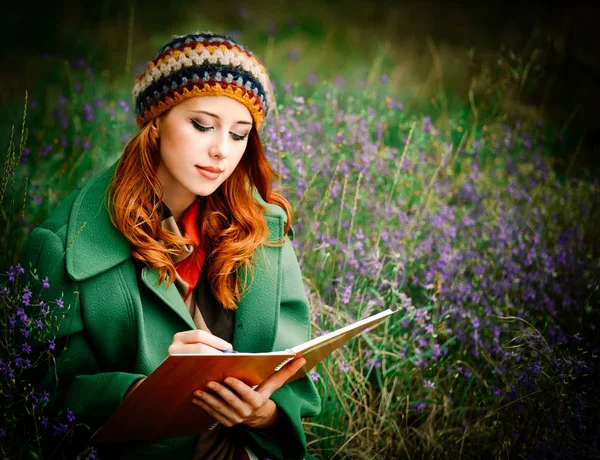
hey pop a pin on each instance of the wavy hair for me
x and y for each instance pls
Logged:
(232, 225)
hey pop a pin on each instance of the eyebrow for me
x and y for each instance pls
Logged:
(214, 115)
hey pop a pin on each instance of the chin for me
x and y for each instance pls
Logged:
(205, 191)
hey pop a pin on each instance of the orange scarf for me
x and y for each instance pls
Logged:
(190, 268)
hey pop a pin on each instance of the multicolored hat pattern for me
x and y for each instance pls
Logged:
(202, 64)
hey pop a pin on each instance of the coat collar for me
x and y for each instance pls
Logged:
(94, 244)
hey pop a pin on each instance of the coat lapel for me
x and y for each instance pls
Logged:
(170, 296)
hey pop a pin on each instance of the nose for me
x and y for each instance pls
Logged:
(219, 148)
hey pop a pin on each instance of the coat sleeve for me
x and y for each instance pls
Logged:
(76, 380)
(297, 399)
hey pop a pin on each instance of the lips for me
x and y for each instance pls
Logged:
(210, 169)
(210, 172)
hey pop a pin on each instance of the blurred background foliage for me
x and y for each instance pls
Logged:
(425, 45)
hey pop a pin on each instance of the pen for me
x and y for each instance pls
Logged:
(229, 351)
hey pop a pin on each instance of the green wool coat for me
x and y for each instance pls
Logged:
(120, 324)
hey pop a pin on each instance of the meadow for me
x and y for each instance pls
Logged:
(444, 205)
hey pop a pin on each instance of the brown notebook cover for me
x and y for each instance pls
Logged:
(161, 406)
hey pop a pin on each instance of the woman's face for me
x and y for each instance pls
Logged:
(202, 140)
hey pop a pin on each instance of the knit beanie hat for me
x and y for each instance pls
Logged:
(202, 64)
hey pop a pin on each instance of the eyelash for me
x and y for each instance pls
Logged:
(203, 129)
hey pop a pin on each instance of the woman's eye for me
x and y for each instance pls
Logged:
(199, 127)
(202, 128)
(237, 137)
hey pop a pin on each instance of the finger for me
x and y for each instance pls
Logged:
(275, 381)
(217, 405)
(191, 348)
(246, 393)
(200, 336)
(242, 407)
(209, 410)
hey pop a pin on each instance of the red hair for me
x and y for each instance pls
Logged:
(232, 226)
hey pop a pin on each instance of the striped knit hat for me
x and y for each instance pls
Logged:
(202, 64)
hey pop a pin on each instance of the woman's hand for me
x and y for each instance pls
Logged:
(197, 341)
(193, 341)
(250, 407)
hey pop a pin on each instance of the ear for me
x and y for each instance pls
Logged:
(156, 126)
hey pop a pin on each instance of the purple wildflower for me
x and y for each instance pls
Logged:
(395, 105)
(88, 111)
(124, 105)
(14, 271)
(347, 294)
(59, 429)
(24, 154)
(435, 352)
(339, 81)
(427, 124)
(34, 398)
(45, 151)
(420, 405)
(344, 366)
(312, 79)
(372, 362)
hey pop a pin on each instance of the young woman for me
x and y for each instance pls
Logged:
(182, 246)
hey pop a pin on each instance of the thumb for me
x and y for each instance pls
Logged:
(275, 381)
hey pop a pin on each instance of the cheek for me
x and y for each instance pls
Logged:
(179, 156)
(168, 144)
(177, 140)
(234, 162)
